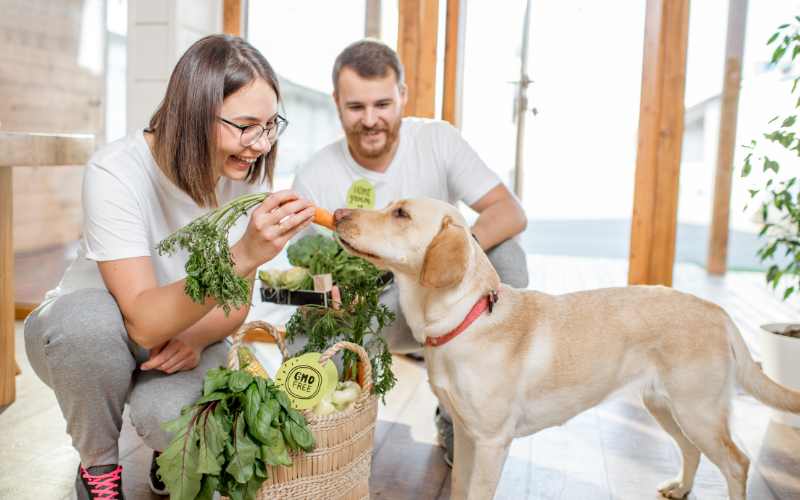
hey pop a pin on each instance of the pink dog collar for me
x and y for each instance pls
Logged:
(484, 303)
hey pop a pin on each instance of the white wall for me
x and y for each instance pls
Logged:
(159, 32)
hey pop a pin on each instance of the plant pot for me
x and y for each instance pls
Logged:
(780, 355)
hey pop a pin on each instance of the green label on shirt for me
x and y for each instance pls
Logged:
(361, 195)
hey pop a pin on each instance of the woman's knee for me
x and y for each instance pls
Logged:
(86, 326)
(157, 397)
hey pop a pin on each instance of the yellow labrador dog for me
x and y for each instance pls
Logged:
(508, 363)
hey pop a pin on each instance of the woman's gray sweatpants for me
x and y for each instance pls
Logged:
(77, 344)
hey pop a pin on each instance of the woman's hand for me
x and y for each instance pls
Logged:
(272, 224)
(176, 355)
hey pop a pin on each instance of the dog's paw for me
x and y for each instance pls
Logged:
(674, 489)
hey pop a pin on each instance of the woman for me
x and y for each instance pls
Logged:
(119, 327)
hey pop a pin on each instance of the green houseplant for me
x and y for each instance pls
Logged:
(777, 154)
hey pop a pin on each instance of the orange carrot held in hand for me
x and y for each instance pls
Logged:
(324, 218)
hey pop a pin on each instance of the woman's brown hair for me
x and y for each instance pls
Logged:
(184, 125)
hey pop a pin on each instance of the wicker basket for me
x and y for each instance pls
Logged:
(339, 466)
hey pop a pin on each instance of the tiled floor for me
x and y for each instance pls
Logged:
(614, 451)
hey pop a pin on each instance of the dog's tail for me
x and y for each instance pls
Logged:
(756, 382)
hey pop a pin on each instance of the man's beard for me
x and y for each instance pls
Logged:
(354, 139)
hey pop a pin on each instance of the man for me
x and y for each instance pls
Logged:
(384, 157)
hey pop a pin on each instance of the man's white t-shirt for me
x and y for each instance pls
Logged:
(432, 160)
(129, 206)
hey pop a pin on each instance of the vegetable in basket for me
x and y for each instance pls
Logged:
(359, 319)
(226, 440)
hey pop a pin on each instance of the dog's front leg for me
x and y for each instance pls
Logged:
(477, 466)
(463, 461)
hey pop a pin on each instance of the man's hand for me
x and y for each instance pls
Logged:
(178, 354)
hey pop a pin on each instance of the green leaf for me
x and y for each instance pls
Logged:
(789, 291)
(302, 436)
(252, 402)
(179, 424)
(215, 379)
(773, 38)
(178, 466)
(283, 400)
(275, 453)
(239, 380)
(252, 488)
(747, 165)
(214, 396)
(243, 460)
(789, 121)
(779, 51)
(212, 442)
(771, 165)
(209, 486)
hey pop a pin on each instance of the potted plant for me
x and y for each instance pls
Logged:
(778, 195)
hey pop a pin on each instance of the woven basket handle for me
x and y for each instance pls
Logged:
(364, 366)
(233, 353)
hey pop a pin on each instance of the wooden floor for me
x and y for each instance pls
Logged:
(614, 451)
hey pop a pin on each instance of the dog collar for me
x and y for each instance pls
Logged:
(486, 302)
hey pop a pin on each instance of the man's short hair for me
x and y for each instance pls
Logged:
(369, 58)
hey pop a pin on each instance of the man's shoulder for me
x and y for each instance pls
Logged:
(428, 129)
(420, 124)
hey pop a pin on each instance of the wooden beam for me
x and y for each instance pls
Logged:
(720, 215)
(372, 19)
(416, 45)
(8, 390)
(232, 17)
(454, 62)
(23, 309)
(44, 150)
(655, 204)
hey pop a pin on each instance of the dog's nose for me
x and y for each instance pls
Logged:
(341, 214)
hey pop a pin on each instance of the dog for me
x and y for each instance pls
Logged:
(507, 363)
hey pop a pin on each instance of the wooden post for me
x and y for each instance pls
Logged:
(720, 215)
(454, 62)
(232, 17)
(8, 364)
(416, 46)
(372, 19)
(655, 204)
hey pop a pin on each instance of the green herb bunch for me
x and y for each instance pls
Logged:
(361, 317)
(226, 439)
(210, 269)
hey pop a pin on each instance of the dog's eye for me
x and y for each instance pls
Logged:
(400, 213)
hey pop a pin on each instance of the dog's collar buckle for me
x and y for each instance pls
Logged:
(492, 300)
(486, 302)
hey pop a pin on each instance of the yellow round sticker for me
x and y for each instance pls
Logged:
(306, 381)
(361, 195)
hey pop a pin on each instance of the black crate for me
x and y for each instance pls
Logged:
(294, 297)
(305, 297)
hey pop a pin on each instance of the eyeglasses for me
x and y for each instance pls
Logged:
(251, 134)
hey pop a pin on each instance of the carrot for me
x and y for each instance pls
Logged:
(324, 218)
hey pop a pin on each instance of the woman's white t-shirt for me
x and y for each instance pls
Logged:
(129, 206)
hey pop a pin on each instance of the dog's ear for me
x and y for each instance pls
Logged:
(446, 258)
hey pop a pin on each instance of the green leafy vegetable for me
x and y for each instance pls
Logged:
(210, 269)
(225, 441)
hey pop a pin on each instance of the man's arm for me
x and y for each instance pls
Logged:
(501, 217)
